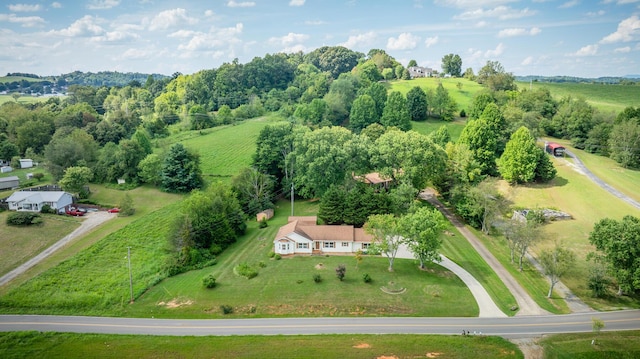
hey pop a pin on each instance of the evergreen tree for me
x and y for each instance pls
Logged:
(396, 112)
(331, 210)
(417, 102)
(181, 170)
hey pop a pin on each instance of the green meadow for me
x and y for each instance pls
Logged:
(460, 89)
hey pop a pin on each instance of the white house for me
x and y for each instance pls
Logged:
(303, 236)
(32, 201)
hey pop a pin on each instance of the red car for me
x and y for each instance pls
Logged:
(114, 210)
(75, 212)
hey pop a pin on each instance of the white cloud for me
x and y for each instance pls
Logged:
(596, 13)
(133, 54)
(294, 49)
(233, 3)
(588, 50)
(24, 21)
(56, 5)
(289, 39)
(404, 41)
(430, 41)
(628, 30)
(171, 18)
(213, 39)
(465, 4)
(24, 7)
(115, 36)
(314, 22)
(208, 13)
(622, 50)
(102, 4)
(519, 31)
(500, 12)
(296, 2)
(182, 34)
(569, 4)
(85, 26)
(495, 52)
(527, 61)
(360, 40)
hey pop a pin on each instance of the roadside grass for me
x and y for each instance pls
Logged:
(426, 127)
(576, 194)
(68, 345)
(463, 96)
(286, 288)
(19, 244)
(607, 98)
(459, 250)
(623, 344)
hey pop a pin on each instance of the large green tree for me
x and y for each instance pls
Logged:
(363, 113)
(624, 143)
(619, 243)
(75, 178)
(442, 104)
(452, 65)
(254, 189)
(519, 161)
(386, 235)
(556, 262)
(421, 230)
(494, 76)
(396, 112)
(417, 102)
(181, 170)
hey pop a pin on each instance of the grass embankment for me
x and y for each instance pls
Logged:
(576, 194)
(607, 345)
(286, 287)
(462, 94)
(65, 345)
(606, 98)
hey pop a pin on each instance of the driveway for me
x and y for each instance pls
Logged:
(90, 221)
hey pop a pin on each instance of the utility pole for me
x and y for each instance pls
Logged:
(291, 198)
(130, 277)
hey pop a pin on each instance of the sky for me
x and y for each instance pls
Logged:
(584, 38)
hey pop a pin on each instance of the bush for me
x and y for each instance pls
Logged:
(536, 216)
(246, 270)
(366, 278)
(272, 254)
(277, 257)
(462, 113)
(47, 209)
(38, 176)
(263, 223)
(262, 264)
(317, 278)
(209, 281)
(23, 219)
(341, 270)
(226, 309)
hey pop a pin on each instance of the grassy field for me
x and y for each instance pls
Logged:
(23, 99)
(463, 96)
(607, 345)
(66, 345)
(606, 98)
(574, 193)
(286, 287)
(426, 127)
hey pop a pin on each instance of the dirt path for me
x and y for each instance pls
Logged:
(526, 304)
(91, 220)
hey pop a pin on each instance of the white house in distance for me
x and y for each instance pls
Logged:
(32, 201)
(302, 235)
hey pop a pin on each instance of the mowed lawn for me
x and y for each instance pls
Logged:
(460, 90)
(454, 127)
(607, 98)
(574, 193)
(68, 346)
(286, 287)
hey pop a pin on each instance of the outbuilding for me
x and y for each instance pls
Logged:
(26, 163)
(9, 182)
(555, 149)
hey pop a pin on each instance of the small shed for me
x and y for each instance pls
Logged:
(555, 149)
(267, 214)
(26, 163)
(9, 182)
(5, 169)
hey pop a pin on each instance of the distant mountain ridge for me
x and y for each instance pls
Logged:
(602, 80)
(102, 78)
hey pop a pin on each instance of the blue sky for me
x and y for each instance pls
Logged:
(587, 38)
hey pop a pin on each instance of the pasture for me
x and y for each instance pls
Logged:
(460, 90)
(67, 345)
(607, 98)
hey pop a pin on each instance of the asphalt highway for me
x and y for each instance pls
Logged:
(515, 327)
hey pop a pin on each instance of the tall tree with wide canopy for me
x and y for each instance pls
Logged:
(494, 76)
(452, 65)
(417, 102)
(519, 161)
(181, 170)
(619, 242)
(421, 231)
(408, 157)
(378, 93)
(396, 112)
(325, 157)
(386, 235)
(254, 190)
(334, 59)
(273, 146)
(363, 113)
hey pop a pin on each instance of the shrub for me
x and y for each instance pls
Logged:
(246, 270)
(209, 281)
(23, 219)
(277, 257)
(272, 254)
(317, 278)
(263, 223)
(226, 309)
(38, 176)
(366, 278)
(536, 216)
(341, 270)
(462, 113)
(47, 209)
(262, 264)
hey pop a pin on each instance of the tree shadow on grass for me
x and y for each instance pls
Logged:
(556, 182)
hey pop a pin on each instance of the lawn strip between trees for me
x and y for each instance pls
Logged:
(66, 345)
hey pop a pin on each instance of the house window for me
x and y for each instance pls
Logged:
(366, 245)
(285, 247)
(328, 244)
(303, 245)
(345, 244)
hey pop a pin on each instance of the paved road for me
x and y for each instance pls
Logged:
(91, 221)
(600, 182)
(488, 308)
(526, 304)
(514, 327)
